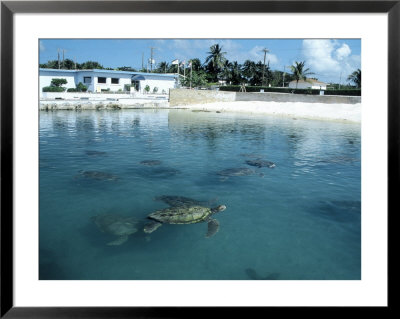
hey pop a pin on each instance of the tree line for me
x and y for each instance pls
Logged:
(216, 68)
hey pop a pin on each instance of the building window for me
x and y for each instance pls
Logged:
(87, 79)
(114, 81)
(101, 80)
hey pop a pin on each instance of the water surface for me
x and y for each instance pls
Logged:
(300, 220)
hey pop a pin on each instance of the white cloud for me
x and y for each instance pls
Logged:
(41, 46)
(343, 52)
(329, 60)
(254, 54)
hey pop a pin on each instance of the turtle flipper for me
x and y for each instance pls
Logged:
(213, 226)
(120, 240)
(151, 226)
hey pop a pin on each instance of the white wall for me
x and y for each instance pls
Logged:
(123, 79)
(45, 79)
(160, 84)
(318, 87)
(307, 85)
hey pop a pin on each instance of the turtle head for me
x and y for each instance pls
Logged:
(219, 208)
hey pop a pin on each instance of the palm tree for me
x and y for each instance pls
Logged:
(355, 77)
(215, 61)
(162, 67)
(299, 72)
(196, 64)
(235, 70)
(249, 69)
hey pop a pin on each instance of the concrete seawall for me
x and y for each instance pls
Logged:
(186, 97)
(100, 105)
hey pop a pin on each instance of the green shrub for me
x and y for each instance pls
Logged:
(53, 89)
(147, 88)
(80, 87)
(155, 90)
(348, 92)
(72, 90)
(236, 88)
(58, 82)
(105, 90)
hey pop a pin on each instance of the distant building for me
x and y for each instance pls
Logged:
(308, 84)
(109, 80)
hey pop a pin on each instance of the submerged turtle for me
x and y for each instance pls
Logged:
(255, 276)
(95, 153)
(175, 201)
(150, 162)
(260, 163)
(98, 175)
(162, 172)
(116, 225)
(185, 215)
(240, 171)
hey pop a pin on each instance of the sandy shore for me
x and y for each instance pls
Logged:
(318, 111)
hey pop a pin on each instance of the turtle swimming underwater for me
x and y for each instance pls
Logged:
(95, 153)
(101, 176)
(116, 225)
(150, 162)
(185, 215)
(255, 276)
(260, 163)
(175, 201)
(240, 171)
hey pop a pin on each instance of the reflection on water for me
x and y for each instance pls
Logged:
(297, 219)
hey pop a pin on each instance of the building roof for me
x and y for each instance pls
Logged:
(150, 76)
(169, 75)
(310, 81)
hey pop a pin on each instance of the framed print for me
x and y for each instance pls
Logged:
(161, 158)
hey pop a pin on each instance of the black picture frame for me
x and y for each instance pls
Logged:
(9, 8)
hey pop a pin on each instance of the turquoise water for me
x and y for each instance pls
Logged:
(300, 220)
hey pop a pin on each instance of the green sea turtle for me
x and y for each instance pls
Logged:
(185, 215)
(116, 225)
(240, 171)
(175, 201)
(95, 153)
(97, 175)
(260, 163)
(255, 276)
(150, 162)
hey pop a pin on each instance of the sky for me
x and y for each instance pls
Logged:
(331, 60)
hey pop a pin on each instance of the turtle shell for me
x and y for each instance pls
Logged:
(181, 215)
(116, 224)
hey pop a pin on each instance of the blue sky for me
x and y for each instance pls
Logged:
(331, 60)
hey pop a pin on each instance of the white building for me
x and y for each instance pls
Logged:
(157, 83)
(109, 80)
(308, 84)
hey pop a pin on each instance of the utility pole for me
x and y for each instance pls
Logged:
(142, 61)
(340, 79)
(151, 58)
(58, 53)
(191, 69)
(284, 71)
(75, 62)
(63, 58)
(265, 50)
